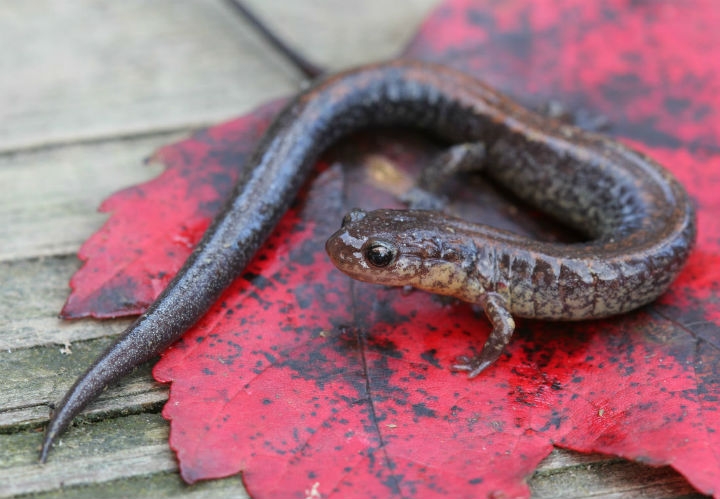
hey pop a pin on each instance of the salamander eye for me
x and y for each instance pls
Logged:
(379, 253)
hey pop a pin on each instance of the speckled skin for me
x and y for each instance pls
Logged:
(639, 215)
(638, 218)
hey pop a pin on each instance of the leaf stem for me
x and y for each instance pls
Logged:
(307, 68)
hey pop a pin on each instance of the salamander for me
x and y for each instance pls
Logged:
(639, 216)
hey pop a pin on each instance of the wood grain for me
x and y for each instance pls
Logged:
(88, 90)
(84, 70)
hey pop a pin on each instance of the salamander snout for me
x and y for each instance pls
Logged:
(345, 247)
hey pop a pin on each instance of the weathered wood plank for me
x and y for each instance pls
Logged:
(33, 292)
(142, 460)
(50, 196)
(562, 459)
(91, 69)
(611, 479)
(35, 377)
(27, 396)
(41, 355)
(91, 455)
(158, 485)
(134, 442)
(142, 396)
(32, 332)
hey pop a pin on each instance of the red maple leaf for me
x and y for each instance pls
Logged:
(311, 383)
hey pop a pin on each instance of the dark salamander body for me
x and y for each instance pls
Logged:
(638, 215)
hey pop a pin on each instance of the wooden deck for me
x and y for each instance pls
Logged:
(88, 88)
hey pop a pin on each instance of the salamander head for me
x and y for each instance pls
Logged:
(403, 247)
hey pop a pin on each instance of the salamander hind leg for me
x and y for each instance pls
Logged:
(497, 311)
(459, 158)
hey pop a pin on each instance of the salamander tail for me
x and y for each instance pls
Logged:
(119, 359)
(85, 389)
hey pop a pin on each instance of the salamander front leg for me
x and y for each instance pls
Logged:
(459, 158)
(497, 311)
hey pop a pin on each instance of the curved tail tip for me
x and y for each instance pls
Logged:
(46, 445)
